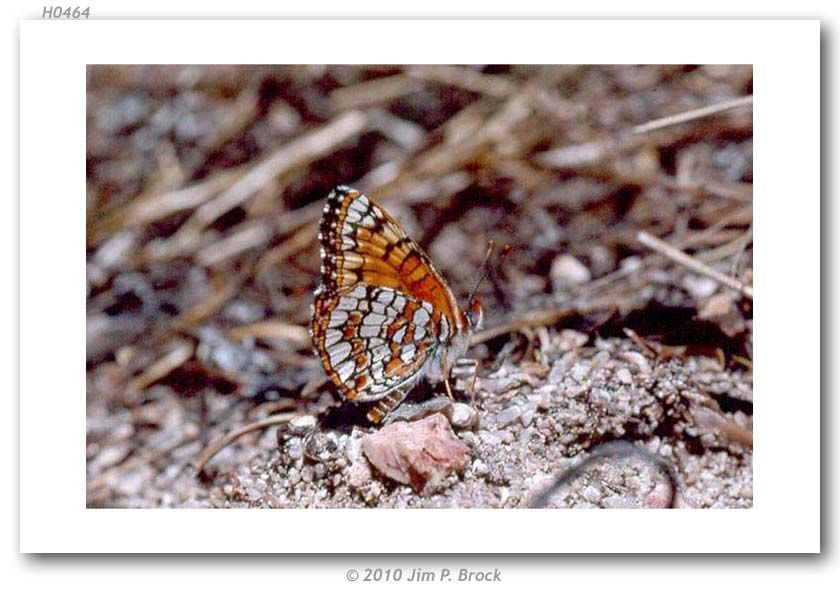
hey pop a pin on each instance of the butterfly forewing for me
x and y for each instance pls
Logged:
(360, 242)
(382, 308)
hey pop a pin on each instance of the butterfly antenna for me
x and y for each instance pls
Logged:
(491, 245)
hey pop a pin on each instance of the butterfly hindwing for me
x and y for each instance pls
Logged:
(373, 340)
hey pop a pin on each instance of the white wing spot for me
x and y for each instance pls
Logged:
(407, 353)
(345, 371)
(374, 319)
(444, 329)
(421, 317)
(378, 353)
(338, 317)
(333, 335)
(339, 352)
(348, 303)
(378, 307)
(385, 297)
(378, 371)
(369, 331)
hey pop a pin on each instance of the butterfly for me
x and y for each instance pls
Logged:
(383, 315)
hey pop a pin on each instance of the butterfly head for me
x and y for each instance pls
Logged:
(475, 314)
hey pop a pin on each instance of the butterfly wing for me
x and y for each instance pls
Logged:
(372, 340)
(362, 243)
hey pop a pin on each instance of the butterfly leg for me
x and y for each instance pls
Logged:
(385, 406)
(448, 388)
(474, 379)
(447, 372)
(467, 368)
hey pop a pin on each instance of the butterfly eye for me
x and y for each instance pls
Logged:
(475, 313)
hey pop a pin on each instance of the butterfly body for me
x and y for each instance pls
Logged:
(383, 316)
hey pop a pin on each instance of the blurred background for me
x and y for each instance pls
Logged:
(205, 184)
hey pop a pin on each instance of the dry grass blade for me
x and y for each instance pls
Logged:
(376, 91)
(223, 290)
(303, 238)
(534, 319)
(293, 155)
(691, 115)
(153, 207)
(609, 146)
(468, 79)
(681, 258)
(163, 205)
(708, 414)
(272, 329)
(161, 368)
(215, 447)
(251, 236)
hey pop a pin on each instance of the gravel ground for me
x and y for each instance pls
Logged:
(534, 420)
(204, 189)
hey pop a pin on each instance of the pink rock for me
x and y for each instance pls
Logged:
(420, 454)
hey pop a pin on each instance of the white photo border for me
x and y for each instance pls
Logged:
(786, 60)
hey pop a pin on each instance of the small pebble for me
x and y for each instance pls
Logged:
(746, 491)
(601, 396)
(489, 439)
(580, 372)
(508, 416)
(570, 339)
(699, 286)
(568, 272)
(294, 448)
(638, 360)
(293, 476)
(504, 436)
(620, 502)
(624, 376)
(464, 416)
(592, 494)
(480, 468)
(302, 425)
(358, 474)
(527, 416)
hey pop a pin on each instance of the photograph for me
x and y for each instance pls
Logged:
(418, 286)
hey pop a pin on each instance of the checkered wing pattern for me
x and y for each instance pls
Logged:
(382, 308)
(374, 340)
